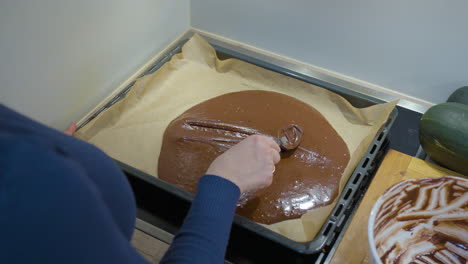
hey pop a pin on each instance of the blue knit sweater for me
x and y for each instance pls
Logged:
(63, 200)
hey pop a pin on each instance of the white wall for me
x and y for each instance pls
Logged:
(59, 58)
(417, 47)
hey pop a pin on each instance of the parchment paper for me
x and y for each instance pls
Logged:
(132, 130)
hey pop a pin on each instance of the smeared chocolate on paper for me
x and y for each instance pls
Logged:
(307, 177)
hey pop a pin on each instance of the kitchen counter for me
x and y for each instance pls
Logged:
(404, 134)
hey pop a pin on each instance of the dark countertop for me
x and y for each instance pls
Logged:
(404, 135)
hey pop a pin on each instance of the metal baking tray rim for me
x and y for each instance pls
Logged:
(333, 225)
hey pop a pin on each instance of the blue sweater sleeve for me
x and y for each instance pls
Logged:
(204, 235)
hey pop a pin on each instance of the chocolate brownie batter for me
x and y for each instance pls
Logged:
(308, 174)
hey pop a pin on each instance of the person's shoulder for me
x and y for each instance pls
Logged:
(19, 126)
(26, 155)
(16, 145)
(34, 172)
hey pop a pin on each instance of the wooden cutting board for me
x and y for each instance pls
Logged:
(396, 167)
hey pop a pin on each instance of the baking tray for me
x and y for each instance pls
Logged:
(146, 186)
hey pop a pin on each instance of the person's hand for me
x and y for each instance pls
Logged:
(249, 164)
(71, 129)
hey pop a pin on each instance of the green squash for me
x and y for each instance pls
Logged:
(459, 96)
(443, 133)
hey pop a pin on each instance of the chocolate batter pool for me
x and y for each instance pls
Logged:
(307, 177)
